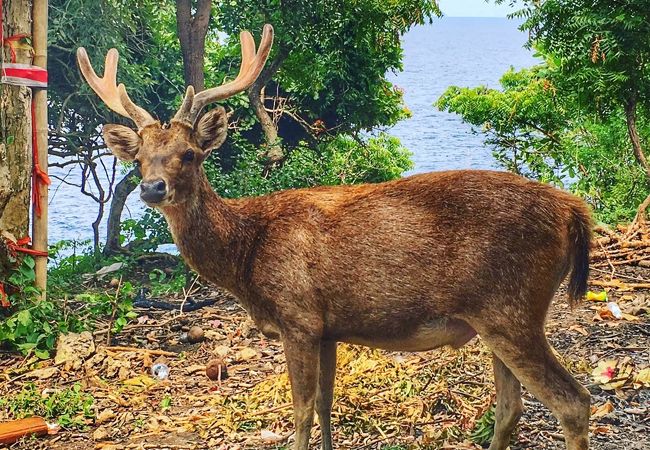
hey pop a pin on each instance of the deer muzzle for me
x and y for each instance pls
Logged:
(153, 192)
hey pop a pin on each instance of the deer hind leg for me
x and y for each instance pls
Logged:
(528, 355)
(509, 404)
(303, 354)
(325, 394)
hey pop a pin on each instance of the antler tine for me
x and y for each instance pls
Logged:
(251, 66)
(115, 97)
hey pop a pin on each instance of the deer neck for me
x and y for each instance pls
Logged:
(205, 229)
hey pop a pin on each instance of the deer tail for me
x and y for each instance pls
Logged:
(580, 228)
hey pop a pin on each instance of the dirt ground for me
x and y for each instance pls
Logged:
(383, 400)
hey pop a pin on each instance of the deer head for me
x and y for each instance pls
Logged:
(170, 155)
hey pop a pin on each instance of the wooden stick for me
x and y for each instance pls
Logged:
(39, 225)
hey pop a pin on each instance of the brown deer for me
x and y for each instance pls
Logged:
(411, 265)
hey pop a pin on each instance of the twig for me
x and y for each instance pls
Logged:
(620, 275)
(274, 409)
(611, 275)
(186, 294)
(119, 348)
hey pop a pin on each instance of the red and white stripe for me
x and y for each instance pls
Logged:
(23, 75)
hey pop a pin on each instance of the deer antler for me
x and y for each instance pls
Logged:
(114, 96)
(252, 64)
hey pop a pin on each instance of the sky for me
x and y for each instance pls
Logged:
(474, 8)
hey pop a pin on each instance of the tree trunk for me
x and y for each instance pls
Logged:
(192, 30)
(256, 97)
(121, 193)
(15, 131)
(630, 117)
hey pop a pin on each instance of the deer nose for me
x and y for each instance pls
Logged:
(153, 191)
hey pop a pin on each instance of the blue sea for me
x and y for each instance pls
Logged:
(451, 51)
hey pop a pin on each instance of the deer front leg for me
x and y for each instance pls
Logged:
(325, 393)
(303, 353)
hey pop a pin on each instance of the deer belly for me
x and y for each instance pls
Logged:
(426, 336)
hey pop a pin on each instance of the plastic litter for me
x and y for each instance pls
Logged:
(615, 310)
(160, 371)
(597, 296)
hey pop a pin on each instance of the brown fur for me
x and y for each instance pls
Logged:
(411, 264)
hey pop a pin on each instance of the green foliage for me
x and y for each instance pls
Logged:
(335, 54)
(344, 160)
(118, 307)
(600, 47)
(484, 428)
(31, 324)
(69, 407)
(541, 131)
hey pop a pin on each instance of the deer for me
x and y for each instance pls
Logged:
(412, 264)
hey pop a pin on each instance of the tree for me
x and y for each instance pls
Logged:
(15, 134)
(192, 30)
(602, 52)
(540, 130)
(329, 61)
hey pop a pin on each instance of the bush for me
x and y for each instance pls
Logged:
(342, 160)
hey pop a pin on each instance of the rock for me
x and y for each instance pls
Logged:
(73, 348)
(195, 334)
(216, 369)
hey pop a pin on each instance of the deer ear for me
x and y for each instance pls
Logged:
(122, 141)
(211, 131)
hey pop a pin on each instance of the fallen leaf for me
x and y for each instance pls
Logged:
(141, 381)
(195, 368)
(579, 329)
(105, 415)
(246, 353)
(601, 429)
(43, 374)
(642, 379)
(270, 437)
(602, 410)
(100, 433)
(604, 371)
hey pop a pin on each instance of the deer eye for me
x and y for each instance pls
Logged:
(188, 156)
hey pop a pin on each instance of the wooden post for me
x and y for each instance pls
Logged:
(39, 225)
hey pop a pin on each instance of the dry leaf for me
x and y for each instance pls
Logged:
(100, 434)
(105, 415)
(602, 410)
(270, 437)
(141, 382)
(43, 374)
(579, 329)
(246, 353)
(642, 379)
